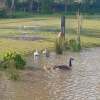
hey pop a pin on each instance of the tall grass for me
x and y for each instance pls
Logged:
(58, 46)
(12, 62)
(74, 45)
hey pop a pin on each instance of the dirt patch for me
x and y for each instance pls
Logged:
(24, 37)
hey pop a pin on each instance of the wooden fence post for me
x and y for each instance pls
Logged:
(63, 26)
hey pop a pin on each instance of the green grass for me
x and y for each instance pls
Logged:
(46, 26)
(48, 23)
(23, 47)
(87, 41)
(27, 47)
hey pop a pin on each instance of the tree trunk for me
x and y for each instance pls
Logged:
(38, 6)
(12, 8)
(66, 6)
(13, 5)
(31, 5)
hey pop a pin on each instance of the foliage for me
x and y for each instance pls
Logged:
(20, 14)
(58, 46)
(3, 13)
(17, 58)
(19, 61)
(13, 73)
(65, 44)
(74, 45)
(62, 44)
(48, 6)
(11, 62)
(9, 56)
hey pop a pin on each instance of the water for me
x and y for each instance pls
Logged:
(80, 83)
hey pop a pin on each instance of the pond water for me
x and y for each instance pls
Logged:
(80, 83)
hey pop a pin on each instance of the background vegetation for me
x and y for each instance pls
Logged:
(20, 8)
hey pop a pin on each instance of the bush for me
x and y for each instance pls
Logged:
(65, 45)
(20, 14)
(74, 45)
(11, 71)
(3, 13)
(19, 61)
(8, 57)
(17, 58)
(11, 62)
(58, 47)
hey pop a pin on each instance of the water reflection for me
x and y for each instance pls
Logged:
(77, 84)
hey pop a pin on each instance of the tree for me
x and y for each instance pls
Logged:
(3, 12)
(46, 6)
(31, 5)
(12, 5)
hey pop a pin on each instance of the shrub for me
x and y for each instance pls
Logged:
(17, 58)
(13, 73)
(3, 13)
(58, 47)
(11, 62)
(74, 45)
(19, 61)
(65, 45)
(8, 57)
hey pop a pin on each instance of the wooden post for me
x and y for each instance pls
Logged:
(63, 26)
(78, 30)
(79, 26)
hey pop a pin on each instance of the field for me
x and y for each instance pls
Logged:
(45, 26)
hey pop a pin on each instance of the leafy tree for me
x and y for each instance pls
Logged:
(46, 6)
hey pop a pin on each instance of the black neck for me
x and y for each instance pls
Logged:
(70, 63)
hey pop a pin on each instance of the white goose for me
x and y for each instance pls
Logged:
(36, 54)
(46, 52)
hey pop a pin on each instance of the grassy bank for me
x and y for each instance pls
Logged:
(46, 26)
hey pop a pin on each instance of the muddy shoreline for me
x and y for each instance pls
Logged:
(24, 37)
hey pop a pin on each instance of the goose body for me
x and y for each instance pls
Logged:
(46, 53)
(64, 67)
(36, 54)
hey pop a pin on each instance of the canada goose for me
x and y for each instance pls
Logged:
(68, 67)
(46, 52)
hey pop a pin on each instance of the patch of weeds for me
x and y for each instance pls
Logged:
(58, 46)
(12, 62)
(19, 61)
(74, 45)
(17, 58)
